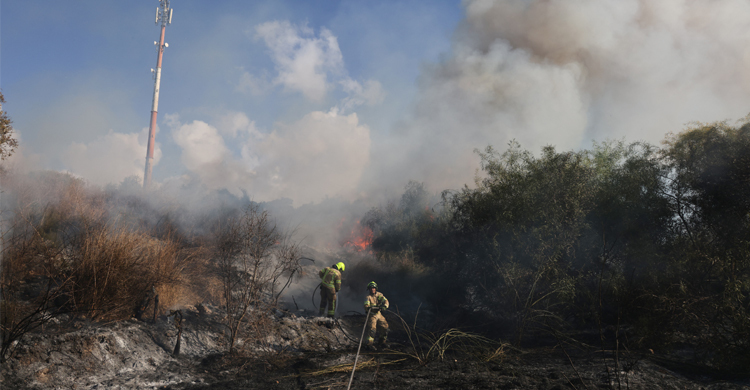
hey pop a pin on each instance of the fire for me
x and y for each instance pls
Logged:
(360, 238)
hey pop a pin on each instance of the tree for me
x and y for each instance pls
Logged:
(8, 142)
(709, 188)
(252, 259)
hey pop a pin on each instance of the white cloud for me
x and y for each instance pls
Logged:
(303, 60)
(253, 84)
(201, 145)
(110, 158)
(310, 64)
(205, 153)
(371, 93)
(322, 154)
(237, 124)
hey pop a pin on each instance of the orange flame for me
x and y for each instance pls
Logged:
(360, 238)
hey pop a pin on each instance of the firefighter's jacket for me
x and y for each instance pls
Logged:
(331, 278)
(376, 301)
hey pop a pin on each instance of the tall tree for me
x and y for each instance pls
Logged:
(710, 189)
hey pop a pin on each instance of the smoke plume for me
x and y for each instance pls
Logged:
(565, 73)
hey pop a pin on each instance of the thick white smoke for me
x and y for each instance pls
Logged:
(564, 73)
(110, 158)
(321, 155)
(542, 72)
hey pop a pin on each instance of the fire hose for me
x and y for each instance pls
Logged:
(312, 298)
(335, 321)
(358, 348)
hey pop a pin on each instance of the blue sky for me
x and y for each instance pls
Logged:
(74, 71)
(313, 99)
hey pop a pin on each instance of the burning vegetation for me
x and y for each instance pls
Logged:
(620, 248)
(359, 238)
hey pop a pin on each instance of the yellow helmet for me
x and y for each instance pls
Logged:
(340, 266)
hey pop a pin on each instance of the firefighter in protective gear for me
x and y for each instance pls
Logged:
(330, 284)
(377, 303)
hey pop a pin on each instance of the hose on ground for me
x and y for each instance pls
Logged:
(354, 367)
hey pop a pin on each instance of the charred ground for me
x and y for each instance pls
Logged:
(304, 352)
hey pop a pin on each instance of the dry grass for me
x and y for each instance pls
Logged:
(30, 278)
(95, 254)
(340, 368)
(427, 346)
(55, 228)
(403, 262)
(113, 268)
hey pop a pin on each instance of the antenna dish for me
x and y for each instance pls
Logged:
(166, 44)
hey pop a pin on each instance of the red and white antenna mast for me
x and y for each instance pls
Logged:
(163, 14)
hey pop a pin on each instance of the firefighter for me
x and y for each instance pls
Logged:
(377, 303)
(330, 284)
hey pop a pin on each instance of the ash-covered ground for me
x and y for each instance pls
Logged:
(302, 351)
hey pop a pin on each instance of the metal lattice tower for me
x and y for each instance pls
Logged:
(163, 14)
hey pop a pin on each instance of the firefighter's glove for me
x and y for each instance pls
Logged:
(382, 308)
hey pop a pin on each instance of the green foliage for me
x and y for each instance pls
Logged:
(655, 241)
(399, 227)
(522, 225)
(8, 142)
(709, 274)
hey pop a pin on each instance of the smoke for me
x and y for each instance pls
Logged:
(542, 72)
(110, 158)
(321, 155)
(565, 73)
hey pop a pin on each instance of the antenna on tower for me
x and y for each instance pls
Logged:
(163, 13)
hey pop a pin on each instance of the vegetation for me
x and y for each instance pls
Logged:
(252, 257)
(73, 251)
(648, 247)
(8, 142)
(628, 245)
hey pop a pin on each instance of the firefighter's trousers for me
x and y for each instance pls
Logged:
(376, 325)
(327, 298)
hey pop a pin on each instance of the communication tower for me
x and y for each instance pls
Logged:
(163, 14)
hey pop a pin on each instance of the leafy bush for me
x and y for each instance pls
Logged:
(652, 242)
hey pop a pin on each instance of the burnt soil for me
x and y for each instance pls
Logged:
(530, 369)
(537, 369)
(306, 352)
